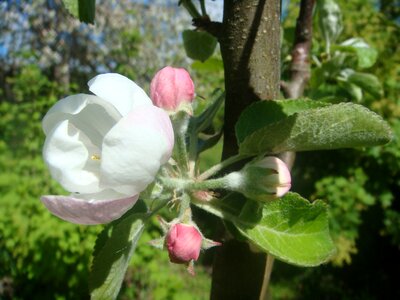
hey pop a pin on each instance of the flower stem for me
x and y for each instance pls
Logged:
(181, 122)
(191, 185)
(185, 212)
(192, 153)
(192, 10)
(203, 7)
(218, 167)
(182, 158)
(267, 276)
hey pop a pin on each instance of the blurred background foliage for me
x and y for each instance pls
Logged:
(45, 55)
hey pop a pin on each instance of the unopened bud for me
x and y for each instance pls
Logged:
(183, 243)
(262, 180)
(172, 89)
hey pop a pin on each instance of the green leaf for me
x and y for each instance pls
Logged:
(227, 208)
(72, 7)
(327, 71)
(205, 119)
(344, 125)
(290, 228)
(368, 82)
(263, 113)
(82, 9)
(353, 90)
(208, 141)
(213, 65)
(366, 55)
(113, 251)
(199, 45)
(293, 230)
(87, 11)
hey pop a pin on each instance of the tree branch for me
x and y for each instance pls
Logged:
(204, 23)
(300, 66)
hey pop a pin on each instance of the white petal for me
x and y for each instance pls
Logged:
(87, 212)
(74, 105)
(120, 91)
(135, 148)
(75, 127)
(66, 153)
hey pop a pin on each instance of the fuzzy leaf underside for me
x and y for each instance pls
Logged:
(343, 125)
(264, 113)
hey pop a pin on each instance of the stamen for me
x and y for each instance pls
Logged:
(95, 157)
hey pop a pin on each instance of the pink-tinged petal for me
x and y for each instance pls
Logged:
(135, 148)
(171, 87)
(282, 179)
(155, 118)
(262, 179)
(283, 189)
(185, 84)
(118, 90)
(87, 212)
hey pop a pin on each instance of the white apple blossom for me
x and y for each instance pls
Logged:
(104, 149)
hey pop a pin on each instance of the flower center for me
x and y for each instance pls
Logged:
(95, 157)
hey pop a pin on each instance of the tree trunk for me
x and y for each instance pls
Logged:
(250, 48)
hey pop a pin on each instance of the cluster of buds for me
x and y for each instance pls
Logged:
(173, 90)
(98, 170)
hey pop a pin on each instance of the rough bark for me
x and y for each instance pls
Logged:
(250, 46)
(250, 50)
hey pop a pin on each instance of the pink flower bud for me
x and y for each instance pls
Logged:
(171, 88)
(183, 243)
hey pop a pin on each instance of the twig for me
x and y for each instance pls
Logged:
(190, 7)
(267, 276)
(203, 8)
(218, 167)
(204, 23)
(300, 66)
